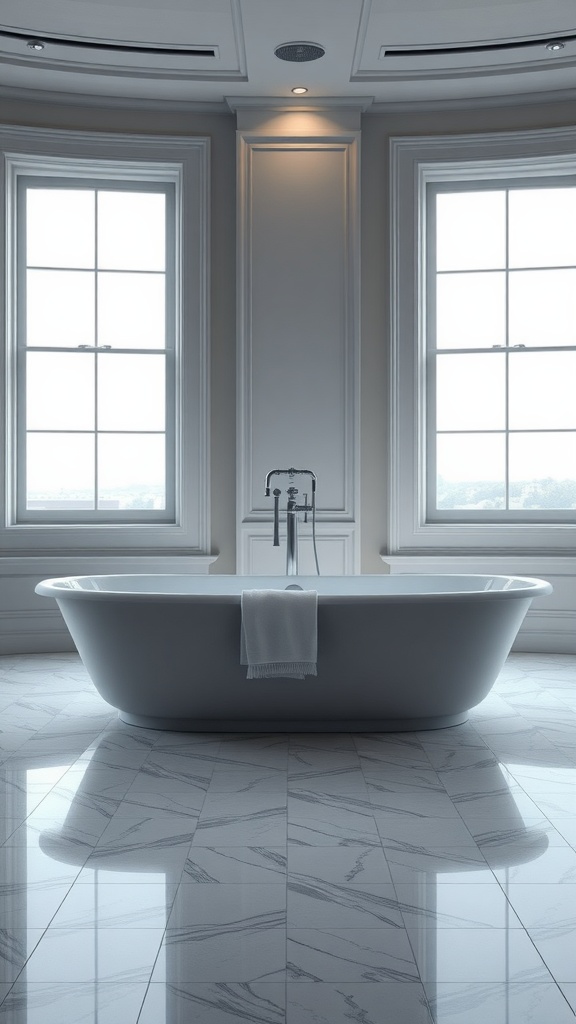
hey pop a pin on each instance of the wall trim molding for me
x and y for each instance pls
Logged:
(252, 145)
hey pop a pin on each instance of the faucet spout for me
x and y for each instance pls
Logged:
(292, 510)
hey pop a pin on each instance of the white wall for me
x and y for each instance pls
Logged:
(357, 533)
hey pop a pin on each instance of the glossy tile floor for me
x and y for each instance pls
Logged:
(173, 878)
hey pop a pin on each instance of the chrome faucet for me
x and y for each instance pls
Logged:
(292, 510)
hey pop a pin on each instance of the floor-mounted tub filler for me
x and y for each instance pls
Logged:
(394, 652)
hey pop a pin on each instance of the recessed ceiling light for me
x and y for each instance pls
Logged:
(299, 90)
(556, 45)
(35, 44)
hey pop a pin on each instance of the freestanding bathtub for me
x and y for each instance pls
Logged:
(394, 652)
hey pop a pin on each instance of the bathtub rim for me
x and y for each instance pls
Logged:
(55, 587)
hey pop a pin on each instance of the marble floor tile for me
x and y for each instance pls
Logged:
(556, 805)
(127, 865)
(437, 905)
(186, 804)
(95, 781)
(498, 1003)
(555, 944)
(338, 781)
(82, 1003)
(321, 762)
(30, 904)
(566, 829)
(359, 864)
(346, 828)
(540, 905)
(368, 1002)
(349, 954)
(32, 865)
(227, 864)
(218, 953)
(451, 866)
(230, 907)
(316, 904)
(147, 829)
(16, 946)
(399, 830)
(214, 1003)
(554, 866)
(149, 877)
(106, 905)
(477, 955)
(249, 751)
(568, 990)
(118, 955)
(541, 778)
(415, 805)
(242, 827)
(248, 780)
(495, 833)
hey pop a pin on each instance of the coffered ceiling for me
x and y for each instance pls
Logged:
(199, 52)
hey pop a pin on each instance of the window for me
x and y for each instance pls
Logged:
(501, 351)
(105, 359)
(96, 348)
(483, 424)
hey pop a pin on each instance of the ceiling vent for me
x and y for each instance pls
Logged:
(299, 53)
(92, 44)
(556, 43)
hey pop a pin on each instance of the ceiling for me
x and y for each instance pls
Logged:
(201, 52)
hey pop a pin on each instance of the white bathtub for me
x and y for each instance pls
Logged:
(394, 652)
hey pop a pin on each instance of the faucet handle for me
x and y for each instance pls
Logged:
(276, 542)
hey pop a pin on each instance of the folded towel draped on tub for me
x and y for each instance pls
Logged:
(279, 633)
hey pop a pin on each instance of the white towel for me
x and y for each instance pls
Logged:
(279, 633)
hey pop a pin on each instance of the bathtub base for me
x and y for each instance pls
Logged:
(266, 725)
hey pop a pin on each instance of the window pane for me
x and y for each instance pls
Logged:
(132, 470)
(470, 230)
(470, 310)
(542, 227)
(59, 391)
(471, 471)
(131, 310)
(60, 471)
(470, 392)
(131, 392)
(542, 389)
(60, 308)
(543, 471)
(131, 231)
(543, 307)
(60, 227)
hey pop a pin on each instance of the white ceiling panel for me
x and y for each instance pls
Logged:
(144, 50)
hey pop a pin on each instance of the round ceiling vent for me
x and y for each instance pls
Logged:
(299, 52)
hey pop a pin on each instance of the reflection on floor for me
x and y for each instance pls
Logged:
(172, 878)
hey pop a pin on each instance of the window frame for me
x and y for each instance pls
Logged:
(183, 165)
(433, 514)
(415, 164)
(22, 514)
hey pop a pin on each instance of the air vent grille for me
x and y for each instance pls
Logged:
(88, 44)
(460, 48)
(299, 52)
